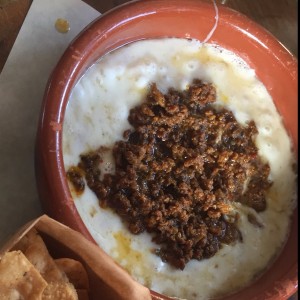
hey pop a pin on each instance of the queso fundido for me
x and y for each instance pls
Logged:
(97, 116)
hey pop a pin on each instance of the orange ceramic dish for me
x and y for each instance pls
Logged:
(273, 64)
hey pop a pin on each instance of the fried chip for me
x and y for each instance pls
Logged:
(75, 272)
(60, 290)
(38, 255)
(19, 279)
(29, 272)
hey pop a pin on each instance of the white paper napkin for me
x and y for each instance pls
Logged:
(36, 51)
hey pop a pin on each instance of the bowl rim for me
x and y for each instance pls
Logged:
(50, 173)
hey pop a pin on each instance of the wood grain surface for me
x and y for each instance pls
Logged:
(278, 16)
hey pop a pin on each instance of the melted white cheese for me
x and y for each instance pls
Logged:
(97, 116)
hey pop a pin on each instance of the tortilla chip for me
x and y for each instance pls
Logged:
(19, 279)
(60, 276)
(60, 290)
(38, 255)
(75, 272)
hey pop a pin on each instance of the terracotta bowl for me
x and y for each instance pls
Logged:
(273, 64)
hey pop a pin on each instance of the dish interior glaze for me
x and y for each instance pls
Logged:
(96, 116)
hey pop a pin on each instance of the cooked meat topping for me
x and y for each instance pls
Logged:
(75, 175)
(178, 172)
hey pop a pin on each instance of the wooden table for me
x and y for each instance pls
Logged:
(278, 16)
